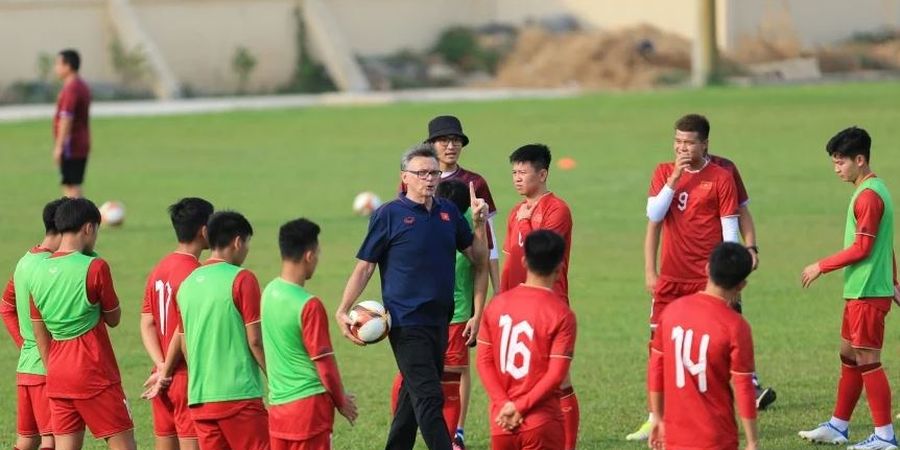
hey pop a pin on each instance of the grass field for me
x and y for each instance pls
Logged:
(278, 165)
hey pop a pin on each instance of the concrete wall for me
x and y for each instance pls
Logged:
(198, 37)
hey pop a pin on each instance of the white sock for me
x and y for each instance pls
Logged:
(841, 425)
(650, 417)
(885, 432)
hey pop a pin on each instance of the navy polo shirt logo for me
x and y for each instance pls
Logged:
(409, 220)
(445, 216)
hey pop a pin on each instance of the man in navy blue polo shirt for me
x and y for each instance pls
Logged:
(413, 240)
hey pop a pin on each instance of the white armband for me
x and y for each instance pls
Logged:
(731, 229)
(659, 205)
(495, 254)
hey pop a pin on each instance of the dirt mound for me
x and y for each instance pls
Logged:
(631, 58)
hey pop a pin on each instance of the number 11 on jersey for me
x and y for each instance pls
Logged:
(164, 297)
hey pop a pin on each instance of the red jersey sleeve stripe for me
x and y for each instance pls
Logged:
(321, 356)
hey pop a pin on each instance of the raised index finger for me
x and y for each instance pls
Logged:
(472, 191)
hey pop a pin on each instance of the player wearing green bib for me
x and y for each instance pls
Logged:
(870, 284)
(219, 304)
(72, 301)
(33, 418)
(304, 382)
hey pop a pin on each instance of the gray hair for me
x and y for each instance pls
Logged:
(423, 150)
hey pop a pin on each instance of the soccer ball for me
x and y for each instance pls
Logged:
(365, 203)
(112, 213)
(371, 322)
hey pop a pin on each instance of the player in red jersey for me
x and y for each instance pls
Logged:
(72, 302)
(71, 128)
(445, 133)
(172, 422)
(33, 407)
(525, 347)
(701, 348)
(541, 209)
(696, 202)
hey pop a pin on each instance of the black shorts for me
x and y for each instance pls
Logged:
(72, 171)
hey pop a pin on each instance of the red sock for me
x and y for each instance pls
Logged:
(395, 392)
(849, 387)
(568, 402)
(452, 405)
(878, 392)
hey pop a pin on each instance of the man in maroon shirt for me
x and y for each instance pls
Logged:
(71, 132)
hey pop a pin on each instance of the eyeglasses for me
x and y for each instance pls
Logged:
(447, 140)
(424, 174)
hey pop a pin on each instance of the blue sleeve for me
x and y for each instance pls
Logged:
(464, 235)
(378, 237)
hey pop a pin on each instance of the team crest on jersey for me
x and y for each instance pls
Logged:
(409, 220)
(706, 185)
(445, 216)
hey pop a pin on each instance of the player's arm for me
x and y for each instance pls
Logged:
(163, 376)
(314, 333)
(868, 210)
(64, 124)
(651, 248)
(41, 335)
(493, 257)
(247, 298)
(100, 290)
(484, 361)
(9, 314)
(748, 232)
(742, 368)
(148, 330)
(662, 189)
(729, 209)
(476, 250)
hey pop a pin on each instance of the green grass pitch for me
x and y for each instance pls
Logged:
(278, 165)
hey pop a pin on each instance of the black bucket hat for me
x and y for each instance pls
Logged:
(446, 126)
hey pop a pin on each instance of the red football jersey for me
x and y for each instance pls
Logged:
(521, 330)
(727, 164)
(703, 343)
(550, 213)
(159, 296)
(692, 227)
(74, 103)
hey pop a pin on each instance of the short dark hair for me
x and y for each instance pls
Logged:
(297, 237)
(49, 215)
(457, 192)
(74, 213)
(696, 123)
(189, 215)
(544, 251)
(850, 142)
(729, 265)
(71, 58)
(536, 154)
(224, 226)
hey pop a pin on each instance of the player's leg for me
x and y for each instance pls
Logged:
(868, 327)
(122, 441)
(765, 396)
(209, 435)
(108, 416)
(395, 392)
(456, 361)
(656, 309)
(28, 434)
(465, 393)
(67, 424)
(850, 384)
(568, 402)
(184, 423)
(40, 408)
(163, 413)
(249, 428)
(450, 381)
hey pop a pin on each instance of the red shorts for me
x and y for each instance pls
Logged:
(105, 414)
(171, 416)
(321, 441)
(667, 291)
(33, 411)
(244, 425)
(863, 324)
(549, 436)
(457, 354)
(303, 419)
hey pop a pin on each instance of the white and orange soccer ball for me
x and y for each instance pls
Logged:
(371, 322)
(365, 203)
(112, 213)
